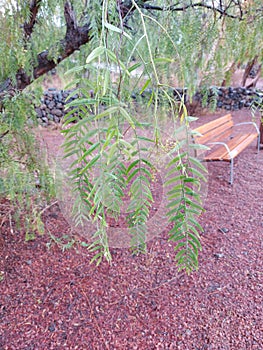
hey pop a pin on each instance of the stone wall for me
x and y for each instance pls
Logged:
(230, 98)
(52, 106)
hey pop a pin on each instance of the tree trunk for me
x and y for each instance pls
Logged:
(75, 37)
(253, 83)
(248, 68)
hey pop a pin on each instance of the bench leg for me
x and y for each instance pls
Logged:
(231, 171)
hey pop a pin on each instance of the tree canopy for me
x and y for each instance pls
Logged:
(204, 37)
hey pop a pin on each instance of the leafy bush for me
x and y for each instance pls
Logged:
(24, 178)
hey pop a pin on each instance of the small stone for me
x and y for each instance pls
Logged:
(223, 229)
(52, 327)
(45, 119)
(218, 255)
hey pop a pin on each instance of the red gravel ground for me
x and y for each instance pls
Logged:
(54, 299)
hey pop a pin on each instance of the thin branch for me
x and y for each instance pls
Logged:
(175, 7)
(3, 135)
(43, 210)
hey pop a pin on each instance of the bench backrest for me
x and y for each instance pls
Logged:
(216, 130)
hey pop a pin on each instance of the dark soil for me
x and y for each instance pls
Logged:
(52, 298)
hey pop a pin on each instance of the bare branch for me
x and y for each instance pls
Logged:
(29, 26)
(177, 7)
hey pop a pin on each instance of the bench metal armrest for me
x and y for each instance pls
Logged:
(257, 129)
(231, 159)
(249, 123)
(224, 144)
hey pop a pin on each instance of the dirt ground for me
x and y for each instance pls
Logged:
(52, 298)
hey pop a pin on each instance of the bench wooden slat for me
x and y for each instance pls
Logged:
(203, 129)
(239, 146)
(220, 133)
(219, 152)
(236, 145)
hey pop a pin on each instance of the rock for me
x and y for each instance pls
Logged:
(57, 112)
(60, 98)
(56, 119)
(218, 255)
(241, 104)
(223, 230)
(38, 112)
(45, 119)
(52, 327)
(51, 105)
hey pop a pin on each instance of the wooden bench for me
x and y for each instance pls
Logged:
(225, 140)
